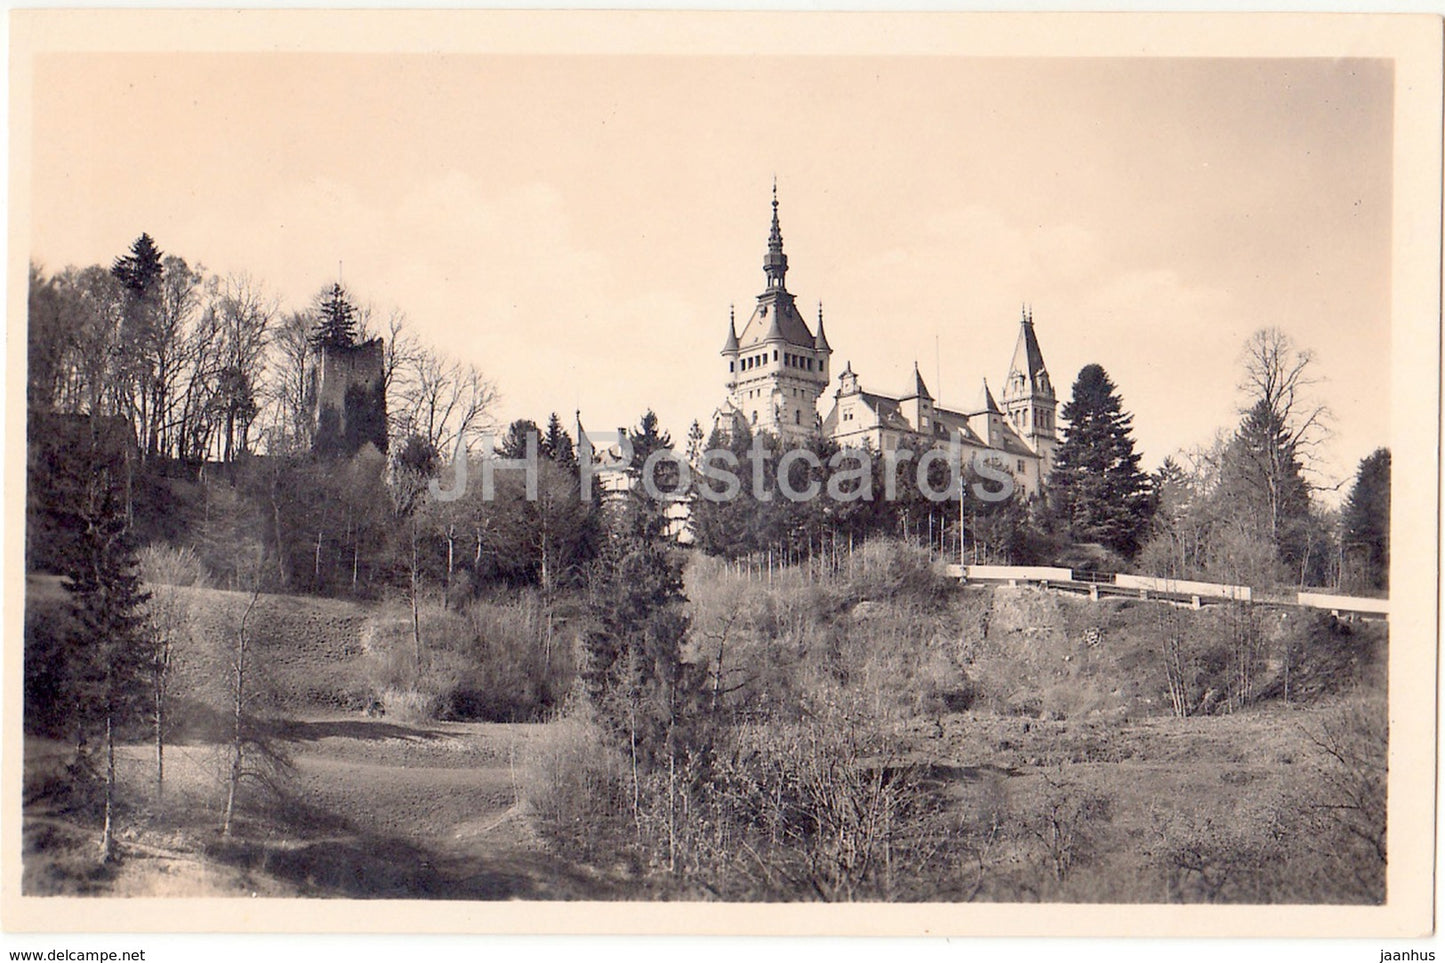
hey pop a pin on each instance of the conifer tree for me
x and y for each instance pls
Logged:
(1098, 491)
(139, 271)
(648, 516)
(1366, 520)
(514, 443)
(557, 445)
(111, 655)
(336, 320)
(1264, 479)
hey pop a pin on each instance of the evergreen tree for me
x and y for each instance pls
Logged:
(557, 445)
(111, 656)
(139, 272)
(1365, 526)
(647, 517)
(633, 669)
(1098, 490)
(1264, 480)
(695, 440)
(336, 320)
(514, 442)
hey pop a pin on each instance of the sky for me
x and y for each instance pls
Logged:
(578, 226)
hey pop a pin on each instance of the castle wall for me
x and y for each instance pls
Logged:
(348, 398)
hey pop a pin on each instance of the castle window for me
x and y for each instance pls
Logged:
(730, 367)
(810, 364)
(797, 417)
(1021, 464)
(755, 417)
(775, 354)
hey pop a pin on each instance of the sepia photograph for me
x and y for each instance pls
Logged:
(683, 472)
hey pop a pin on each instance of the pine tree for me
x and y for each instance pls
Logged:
(1098, 491)
(514, 442)
(111, 654)
(1365, 525)
(695, 441)
(648, 516)
(140, 270)
(557, 445)
(1263, 476)
(336, 320)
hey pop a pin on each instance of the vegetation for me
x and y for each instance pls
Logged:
(1099, 492)
(797, 707)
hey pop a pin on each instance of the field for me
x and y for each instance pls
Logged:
(1028, 731)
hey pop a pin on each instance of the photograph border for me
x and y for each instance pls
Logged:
(1412, 41)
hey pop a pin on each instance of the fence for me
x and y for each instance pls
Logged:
(1167, 589)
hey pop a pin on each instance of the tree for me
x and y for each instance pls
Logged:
(111, 652)
(1365, 524)
(1099, 493)
(1263, 480)
(335, 319)
(633, 669)
(647, 516)
(514, 443)
(1178, 539)
(168, 619)
(447, 403)
(290, 384)
(413, 467)
(695, 447)
(557, 445)
(1281, 424)
(140, 270)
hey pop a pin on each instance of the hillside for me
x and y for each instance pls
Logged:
(1039, 653)
(1032, 732)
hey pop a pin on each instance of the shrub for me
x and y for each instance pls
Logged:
(577, 788)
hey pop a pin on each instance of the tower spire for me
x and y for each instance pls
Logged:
(775, 264)
(730, 346)
(820, 342)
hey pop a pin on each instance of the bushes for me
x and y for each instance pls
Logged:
(511, 660)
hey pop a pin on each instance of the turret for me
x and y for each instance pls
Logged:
(730, 349)
(1028, 395)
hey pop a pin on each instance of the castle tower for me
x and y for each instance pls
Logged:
(986, 420)
(917, 405)
(1028, 394)
(777, 366)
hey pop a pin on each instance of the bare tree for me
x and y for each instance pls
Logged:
(1277, 381)
(246, 312)
(289, 383)
(443, 402)
(244, 739)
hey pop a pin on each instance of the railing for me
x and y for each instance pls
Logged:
(1167, 589)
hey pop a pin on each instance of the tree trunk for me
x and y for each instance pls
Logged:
(238, 728)
(106, 829)
(162, 672)
(415, 610)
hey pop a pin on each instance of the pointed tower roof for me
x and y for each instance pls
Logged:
(776, 317)
(986, 402)
(1028, 360)
(730, 346)
(820, 343)
(775, 262)
(920, 390)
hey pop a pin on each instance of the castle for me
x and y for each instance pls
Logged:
(778, 369)
(347, 397)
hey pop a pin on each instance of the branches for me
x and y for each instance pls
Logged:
(1279, 377)
(443, 402)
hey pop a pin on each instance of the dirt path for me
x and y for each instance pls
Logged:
(429, 810)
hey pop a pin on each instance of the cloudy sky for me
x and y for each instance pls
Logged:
(578, 226)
